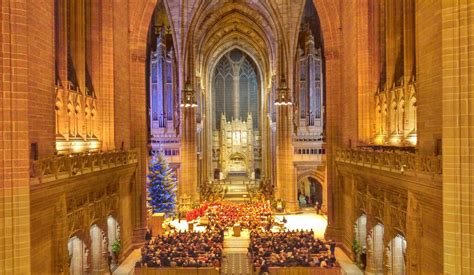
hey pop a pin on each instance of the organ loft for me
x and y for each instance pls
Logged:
(224, 127)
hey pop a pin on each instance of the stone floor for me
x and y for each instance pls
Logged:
(236, 261)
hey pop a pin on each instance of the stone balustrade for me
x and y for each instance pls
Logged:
(391, 161)
(65, 166)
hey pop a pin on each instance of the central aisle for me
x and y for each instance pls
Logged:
(236, 261)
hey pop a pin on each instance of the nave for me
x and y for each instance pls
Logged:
(236, 252)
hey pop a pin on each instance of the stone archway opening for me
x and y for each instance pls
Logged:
(113, 235)
(328, 12)
(310, 192)
(360, 240)
(395, 256)
(78, 254)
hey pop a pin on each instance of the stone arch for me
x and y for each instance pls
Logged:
(113, 234)
(360, 236)
(361, 230)
(98, 249)
(317, 174)
(395, 256)
(78, 255)
(140, 17)
(217, 20)
(260, 73)
(320, 176)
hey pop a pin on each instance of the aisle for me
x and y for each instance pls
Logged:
(236, 261)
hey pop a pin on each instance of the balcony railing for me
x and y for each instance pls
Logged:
(391, 161)
(65, 166)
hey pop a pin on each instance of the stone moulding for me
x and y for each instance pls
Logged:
(65, 166)
(392, 161)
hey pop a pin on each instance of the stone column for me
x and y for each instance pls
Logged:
(188, 182)
(458, 133)
(236, 94)
(236, 88)
(14, 168)
(286, 180)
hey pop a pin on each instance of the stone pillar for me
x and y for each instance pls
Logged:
(77, 40)
(236, 94)
(414, 235)
(14, 168)
(286, 180)
(458, 133)
(105, 66)
(188, 182)
(138, 140)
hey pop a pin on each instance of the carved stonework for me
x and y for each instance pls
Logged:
(397, 205)
(376, 201)
(415, 234)
(397, 162)
(83, 210)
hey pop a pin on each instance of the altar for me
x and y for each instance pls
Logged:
(236, 143)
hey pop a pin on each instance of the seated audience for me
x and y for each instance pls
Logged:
(184, 249)
(290, 248)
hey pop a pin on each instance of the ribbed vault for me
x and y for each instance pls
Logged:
(220, 26)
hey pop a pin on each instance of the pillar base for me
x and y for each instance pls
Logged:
(292, 207)
(333, 233)
(139, 235)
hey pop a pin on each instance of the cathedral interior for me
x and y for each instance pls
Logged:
(359, 108)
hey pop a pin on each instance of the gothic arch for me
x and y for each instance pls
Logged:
(140, 17)
(317, 174)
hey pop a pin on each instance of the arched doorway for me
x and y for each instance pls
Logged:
(78, 254)
(395, 254)
(113, 234)
(310, 192)
(217, 174)
(257, 173)
(360, 238)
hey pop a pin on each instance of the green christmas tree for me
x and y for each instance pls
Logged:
(161, 184)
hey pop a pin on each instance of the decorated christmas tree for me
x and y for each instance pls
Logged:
(161, 185)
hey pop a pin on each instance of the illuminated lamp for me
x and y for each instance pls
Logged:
(189, 99)
(283, 97)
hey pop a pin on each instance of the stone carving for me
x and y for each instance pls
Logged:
(211, 192)
(391, 161)
(415, 228)
(388, 260)
(237, 140)
(83, 210)
(61, 166)
(76, 119)
(397, 210)
(396, 116)
(105, 251)
(86, 260)
(370, 247)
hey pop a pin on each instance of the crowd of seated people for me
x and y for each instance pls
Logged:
(251, 215)
(288, 249)
(184, 249)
